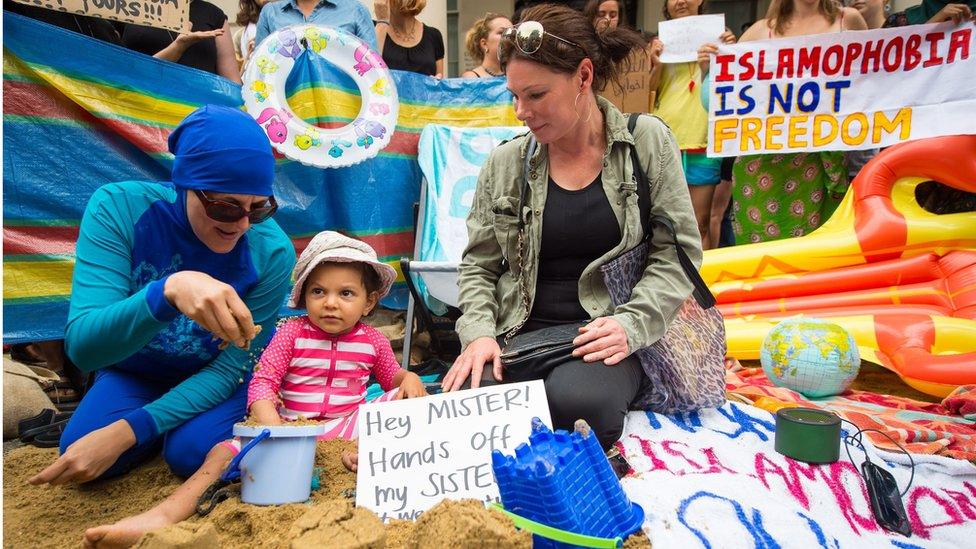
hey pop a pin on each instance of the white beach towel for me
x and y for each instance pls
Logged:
(714, 479)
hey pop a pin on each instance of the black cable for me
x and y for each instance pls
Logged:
(857, 437)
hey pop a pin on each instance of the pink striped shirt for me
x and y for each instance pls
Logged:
(319, 375)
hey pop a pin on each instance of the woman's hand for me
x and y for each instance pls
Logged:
(265, 412)
(656, 49)
(411, 387)
(212, 304)
(603, 339)
(90, 456)
(472, 362)
(956, 12)
(707, 50)
(187, 37)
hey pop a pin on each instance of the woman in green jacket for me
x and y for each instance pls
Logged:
(581, 211)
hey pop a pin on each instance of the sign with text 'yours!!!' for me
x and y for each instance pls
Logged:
(413, 453)
(843, 91)
(162, 14)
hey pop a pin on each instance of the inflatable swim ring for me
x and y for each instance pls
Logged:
(264, 97)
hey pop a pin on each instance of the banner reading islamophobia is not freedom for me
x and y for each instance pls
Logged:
(843, 91)
(79, 113)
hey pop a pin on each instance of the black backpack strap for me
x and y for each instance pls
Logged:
(700, 290)
(640, 177)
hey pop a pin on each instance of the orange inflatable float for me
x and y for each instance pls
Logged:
(902, 280)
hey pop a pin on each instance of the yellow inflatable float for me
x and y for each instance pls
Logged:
(900, 279)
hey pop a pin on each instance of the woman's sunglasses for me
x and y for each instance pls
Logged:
(527, 37)
(229, 212)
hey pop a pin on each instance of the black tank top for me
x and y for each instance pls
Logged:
(577, 228)
(421, 58)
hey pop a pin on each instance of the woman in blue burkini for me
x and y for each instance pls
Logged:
(164, 272)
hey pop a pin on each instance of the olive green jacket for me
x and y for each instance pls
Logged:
(489, 273)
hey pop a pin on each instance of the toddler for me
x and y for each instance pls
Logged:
(317, 365)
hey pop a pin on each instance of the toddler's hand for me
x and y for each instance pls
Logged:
(350, 460)
(411, 387)
(265, 412)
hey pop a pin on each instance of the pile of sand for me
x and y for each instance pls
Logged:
(57, 516)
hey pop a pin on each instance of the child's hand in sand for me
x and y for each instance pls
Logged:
(411, 387)
(265, 412)
(350, 460)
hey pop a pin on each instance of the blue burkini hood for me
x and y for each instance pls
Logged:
(224, 150)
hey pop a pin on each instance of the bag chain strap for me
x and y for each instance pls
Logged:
(520, 240)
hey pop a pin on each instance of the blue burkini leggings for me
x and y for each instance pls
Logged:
(115, 393)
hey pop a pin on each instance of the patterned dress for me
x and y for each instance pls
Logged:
(778, 196)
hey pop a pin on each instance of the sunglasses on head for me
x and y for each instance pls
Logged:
(527, 37)
(230, 212)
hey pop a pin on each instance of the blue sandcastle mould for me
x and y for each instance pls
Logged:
(564, 480)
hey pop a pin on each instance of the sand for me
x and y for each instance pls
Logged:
(57, 516)
(184, 535)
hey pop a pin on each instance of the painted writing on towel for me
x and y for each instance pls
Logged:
(843, 91)
(714, 479)
(164, 14)
(414, 453)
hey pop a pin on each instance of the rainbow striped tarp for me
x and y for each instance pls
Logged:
(79, 113)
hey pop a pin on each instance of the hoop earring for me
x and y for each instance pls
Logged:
(589, 111)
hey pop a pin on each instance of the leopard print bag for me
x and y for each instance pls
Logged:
(686, 367)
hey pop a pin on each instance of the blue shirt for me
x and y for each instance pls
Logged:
(348, 15)
(133, 236)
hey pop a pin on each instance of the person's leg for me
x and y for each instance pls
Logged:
(113, 395)
(597, 393)
(179, 506)
(701, 201)
(725, 237)
(186, 446)
(53, 353)
(703, 174)
(720, 202)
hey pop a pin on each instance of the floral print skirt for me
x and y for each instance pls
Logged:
(778, 196)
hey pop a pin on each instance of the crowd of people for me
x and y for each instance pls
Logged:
(175, 281)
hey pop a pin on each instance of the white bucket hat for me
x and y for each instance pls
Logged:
(332, 246)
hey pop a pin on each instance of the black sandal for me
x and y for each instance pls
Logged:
(46, 436)
(46, 417)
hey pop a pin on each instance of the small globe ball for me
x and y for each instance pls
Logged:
(811, 356)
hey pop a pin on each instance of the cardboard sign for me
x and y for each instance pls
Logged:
(843, 91)
(162, 14)
(682, 37)
(413, 453)
(634, 93)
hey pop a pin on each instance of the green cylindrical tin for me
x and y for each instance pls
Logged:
(808, 435)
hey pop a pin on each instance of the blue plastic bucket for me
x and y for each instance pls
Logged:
(278, 469)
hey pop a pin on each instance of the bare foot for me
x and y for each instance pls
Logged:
(126, 532)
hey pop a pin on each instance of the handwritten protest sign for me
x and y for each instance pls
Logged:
(843, 91)
(633, 92)
(163, 14)
(682, 37)
(414, 453)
